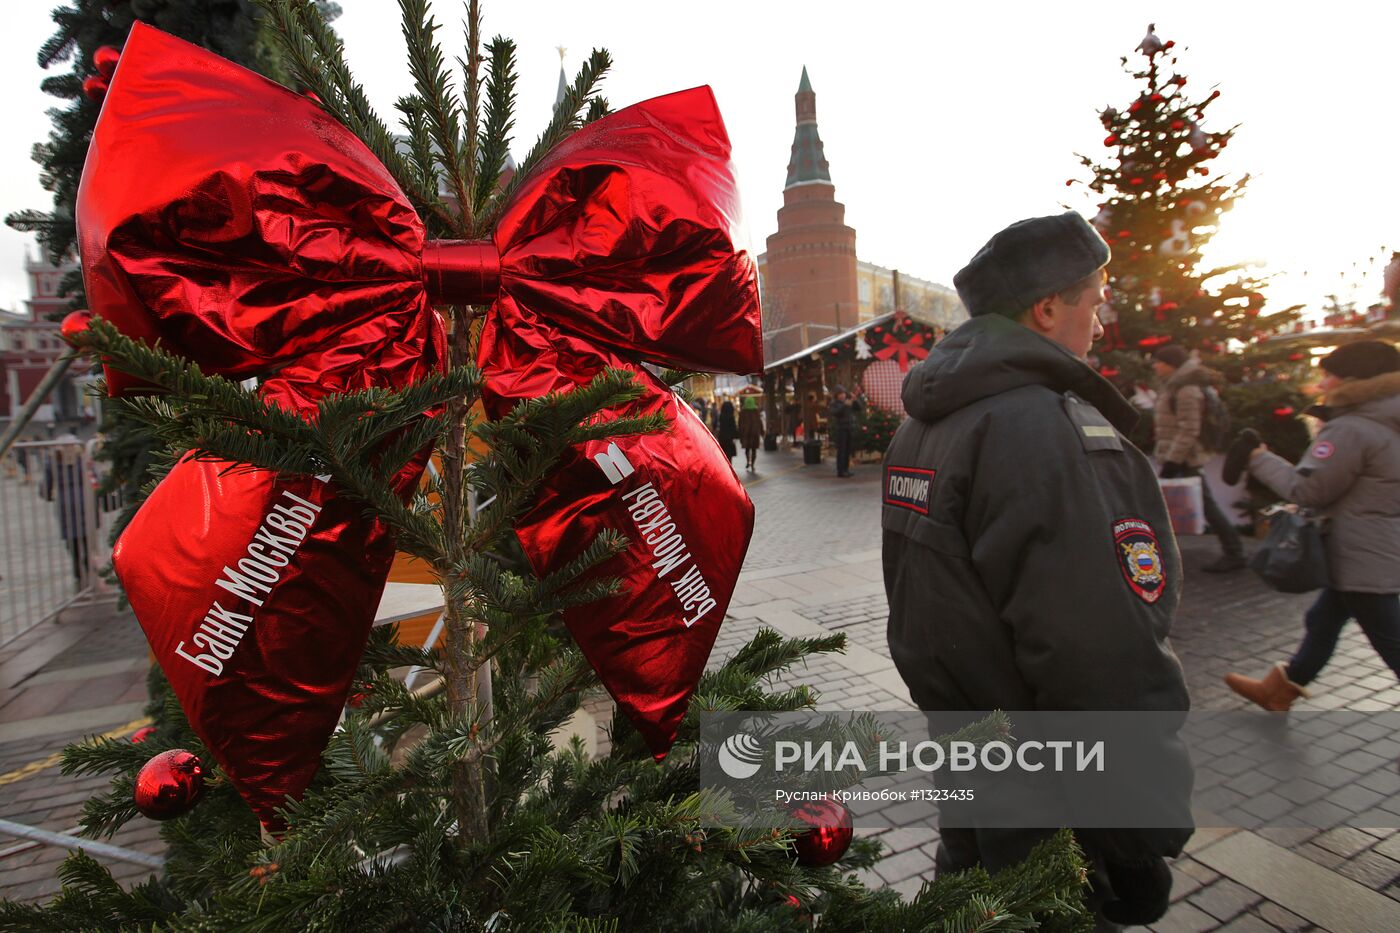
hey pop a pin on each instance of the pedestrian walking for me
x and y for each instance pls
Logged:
(1351, 476)
(63, 486)
(727, 429)
(842, 416)
(750, 429)
(1188, 407)
(1028, 556)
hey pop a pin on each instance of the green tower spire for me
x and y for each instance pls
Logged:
(808, 163)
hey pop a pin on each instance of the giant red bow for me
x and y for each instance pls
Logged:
(237, 222)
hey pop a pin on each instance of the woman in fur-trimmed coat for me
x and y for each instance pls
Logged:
(1350, 475)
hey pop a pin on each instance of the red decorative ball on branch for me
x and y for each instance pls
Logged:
(105, 60)
(829, 836)
(169, 785)
(95, 88)
(1111, 139)
(1283, 413)
(74, 326)
(142, 734)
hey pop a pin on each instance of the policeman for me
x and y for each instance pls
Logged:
(1028, 557)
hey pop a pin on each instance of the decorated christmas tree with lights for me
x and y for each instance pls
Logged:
(1162, 202)
(418, 309)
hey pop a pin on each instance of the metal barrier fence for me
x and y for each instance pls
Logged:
(53, 532)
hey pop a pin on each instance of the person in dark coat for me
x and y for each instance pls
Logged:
(728, 430)
(63, 486)
(1029, 560)
(750, 429)
(842, 415)
(1351, 475)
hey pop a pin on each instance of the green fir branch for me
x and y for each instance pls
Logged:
(499, 120)
(317, 57)
(564, 122)
(433, 84)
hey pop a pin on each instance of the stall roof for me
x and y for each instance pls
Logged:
(830, 341)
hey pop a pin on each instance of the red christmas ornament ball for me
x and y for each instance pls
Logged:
(169, 785)
(829, 836)
(105, 60)
(142, 734)
(95, 88)
(1282, 413)
(1134, 181)
(1178, 125)
(1111, 139)
(75, 325)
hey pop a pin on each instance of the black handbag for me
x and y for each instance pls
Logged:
(1294, 556)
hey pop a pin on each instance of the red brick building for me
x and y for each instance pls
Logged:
(29, 345)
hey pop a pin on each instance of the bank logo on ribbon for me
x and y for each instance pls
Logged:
(614, 464)
(740, 756)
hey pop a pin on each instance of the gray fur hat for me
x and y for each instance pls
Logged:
(1030, 260)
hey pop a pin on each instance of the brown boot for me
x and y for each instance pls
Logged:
(1275, 692)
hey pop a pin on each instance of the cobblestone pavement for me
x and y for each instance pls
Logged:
(813, 568)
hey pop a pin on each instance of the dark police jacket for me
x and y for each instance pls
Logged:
(1028, 557)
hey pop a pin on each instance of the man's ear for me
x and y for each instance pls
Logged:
(1041, 316)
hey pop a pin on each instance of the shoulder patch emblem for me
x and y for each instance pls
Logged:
(1140, 558)
(1322, 450)
(909, 488)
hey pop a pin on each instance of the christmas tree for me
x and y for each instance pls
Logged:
(1163, 201)
(449, 807)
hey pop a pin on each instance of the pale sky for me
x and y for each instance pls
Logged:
(942, 122)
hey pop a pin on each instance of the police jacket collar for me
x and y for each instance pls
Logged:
(993, 354)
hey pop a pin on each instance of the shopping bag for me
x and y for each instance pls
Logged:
(1185, 504)
(1294, 556)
